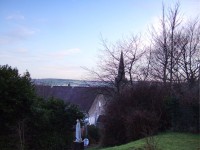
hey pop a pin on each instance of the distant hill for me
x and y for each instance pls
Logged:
(67, 82)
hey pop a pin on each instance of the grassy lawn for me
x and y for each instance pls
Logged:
(165, 141)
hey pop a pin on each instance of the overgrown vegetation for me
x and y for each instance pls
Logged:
(30, 122)
(148, 108)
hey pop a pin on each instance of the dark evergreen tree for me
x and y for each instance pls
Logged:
(16, 98)
(30, 122)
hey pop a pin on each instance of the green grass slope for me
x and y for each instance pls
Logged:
(165, 141)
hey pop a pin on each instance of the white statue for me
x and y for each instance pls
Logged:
(78, 131)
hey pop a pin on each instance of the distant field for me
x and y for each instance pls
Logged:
(165, 141)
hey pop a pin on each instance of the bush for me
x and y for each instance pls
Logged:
(148, 108)
(183, 108)
(93, 134)
(134, 113)
(52, 123)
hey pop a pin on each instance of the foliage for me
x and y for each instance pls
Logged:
(183, 108)
(93, 134)
(16, 94)
(30, 122)
(52, 124)
(149, 107)
(169, 141)
(16, 98)
(135, 112)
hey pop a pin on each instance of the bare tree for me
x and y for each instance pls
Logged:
(175, 49)
(190, 51)
(172, 56)
(165, 51)
(174, 22)
(110, 57)
(159, 58)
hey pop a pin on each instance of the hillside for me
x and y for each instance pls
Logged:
(165, 141)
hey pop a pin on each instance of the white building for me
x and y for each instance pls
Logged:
(97, 109)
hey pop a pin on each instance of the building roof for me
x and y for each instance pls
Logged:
(81, 96)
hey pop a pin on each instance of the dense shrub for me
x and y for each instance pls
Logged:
(183, 108)
(148, 108)
(134, 113)
(51, 124)
(93, 134)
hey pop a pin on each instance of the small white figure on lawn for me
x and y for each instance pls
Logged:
(78, 131)
(86, 142)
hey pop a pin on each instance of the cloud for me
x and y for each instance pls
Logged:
(14, 31)
(63, 53)
(21, 32)
(16, 16)
(24, 54)
(41, 64)
(17, 34)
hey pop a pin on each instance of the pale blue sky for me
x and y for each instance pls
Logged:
(54, 38)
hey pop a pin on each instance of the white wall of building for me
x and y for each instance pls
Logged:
(96, 109)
